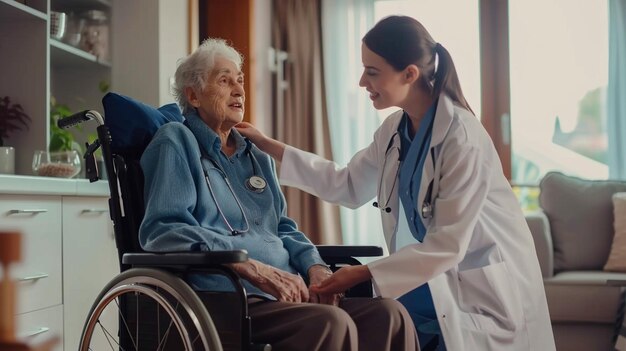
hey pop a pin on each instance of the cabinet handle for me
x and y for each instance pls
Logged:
(34, 277)
(34, 332)
(33, 211)
(93, 210)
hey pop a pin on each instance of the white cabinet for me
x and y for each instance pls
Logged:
(89, 260)
(39, 274)
(68, 253)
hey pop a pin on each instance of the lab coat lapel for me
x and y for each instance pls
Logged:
(441, 124)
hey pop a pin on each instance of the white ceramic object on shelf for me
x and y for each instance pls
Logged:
(57, 24)
(7, 160)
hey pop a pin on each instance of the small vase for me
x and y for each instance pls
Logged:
(7, 160)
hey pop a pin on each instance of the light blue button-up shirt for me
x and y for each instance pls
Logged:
(181, 214)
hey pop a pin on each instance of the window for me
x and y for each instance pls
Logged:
(558, 77)
(456, 30)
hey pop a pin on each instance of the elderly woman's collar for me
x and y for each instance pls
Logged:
(208, 138)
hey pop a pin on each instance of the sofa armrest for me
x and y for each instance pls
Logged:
(540, 230)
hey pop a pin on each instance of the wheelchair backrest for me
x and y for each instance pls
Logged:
(129, 126)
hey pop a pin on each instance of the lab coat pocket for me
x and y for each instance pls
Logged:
(490, 298)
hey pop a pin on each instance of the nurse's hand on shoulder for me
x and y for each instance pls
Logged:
(284, 286)
(342, 280)
(251, 132)
(273, 147)
(317, 274)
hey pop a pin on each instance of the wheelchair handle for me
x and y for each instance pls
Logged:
(80, 117)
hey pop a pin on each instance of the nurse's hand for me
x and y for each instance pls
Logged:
(342, 280)
(317, 274)
(273, 147)
(284, 286)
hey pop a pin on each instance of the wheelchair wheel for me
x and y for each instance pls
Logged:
(148, 309)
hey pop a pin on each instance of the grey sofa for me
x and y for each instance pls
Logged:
(573, 234)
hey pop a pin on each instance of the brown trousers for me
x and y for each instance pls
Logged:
(357, 324)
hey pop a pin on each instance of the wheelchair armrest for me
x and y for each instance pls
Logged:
(185, 258)
(349, 251)
(336, 256)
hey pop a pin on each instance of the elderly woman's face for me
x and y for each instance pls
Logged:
(221, 103)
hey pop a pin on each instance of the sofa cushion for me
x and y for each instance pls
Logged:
(617, 257)
(580, 213)
(569, 296)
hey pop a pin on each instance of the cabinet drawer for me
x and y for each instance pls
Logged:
(38, 326)
(38, 218)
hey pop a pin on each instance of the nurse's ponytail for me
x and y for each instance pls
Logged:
(446, 80)
(402, 41)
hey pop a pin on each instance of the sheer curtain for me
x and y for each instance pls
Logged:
(616, 95)
(351, 116)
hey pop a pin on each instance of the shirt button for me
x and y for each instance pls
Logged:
(407, 193)
(257, 222)
(412, 218)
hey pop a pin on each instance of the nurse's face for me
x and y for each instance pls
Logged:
(221, 103)
(386, 86)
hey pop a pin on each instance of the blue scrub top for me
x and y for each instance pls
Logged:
(413, 152)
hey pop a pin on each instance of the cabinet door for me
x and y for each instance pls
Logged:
(38, 274)
(89, 260)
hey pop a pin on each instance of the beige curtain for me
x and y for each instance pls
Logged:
(304, 124)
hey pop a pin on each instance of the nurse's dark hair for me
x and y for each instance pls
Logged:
(402, 41)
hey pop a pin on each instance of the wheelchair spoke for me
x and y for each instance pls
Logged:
(107, 334)
(126, 324)
(163, 341)
(137, 319)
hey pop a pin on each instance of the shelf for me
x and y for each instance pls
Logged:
(64, 55)
(81, 5)
(13, 10)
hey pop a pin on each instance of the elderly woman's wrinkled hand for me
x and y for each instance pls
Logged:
(317, 274)
(284, 286)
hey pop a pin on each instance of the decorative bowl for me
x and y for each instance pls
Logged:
(62, 164)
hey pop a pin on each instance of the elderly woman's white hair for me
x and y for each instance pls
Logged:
(192, 70)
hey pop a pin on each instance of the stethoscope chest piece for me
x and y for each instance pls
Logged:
(256, 184)
(427, 210)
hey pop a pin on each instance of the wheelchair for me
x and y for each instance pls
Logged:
(149, 305)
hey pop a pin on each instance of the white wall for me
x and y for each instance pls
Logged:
(262, 109)
(148, 38)
(173, 42)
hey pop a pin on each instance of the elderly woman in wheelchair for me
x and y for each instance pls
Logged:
(207, 188)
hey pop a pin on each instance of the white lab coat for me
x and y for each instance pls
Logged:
(478, 255)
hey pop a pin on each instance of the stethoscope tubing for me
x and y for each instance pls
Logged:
(427, 207)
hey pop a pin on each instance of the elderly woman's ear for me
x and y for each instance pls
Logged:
(192, 97)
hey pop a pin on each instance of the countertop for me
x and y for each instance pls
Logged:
(31, 185)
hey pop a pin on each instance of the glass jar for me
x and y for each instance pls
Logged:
(95, 36)
(62, 164)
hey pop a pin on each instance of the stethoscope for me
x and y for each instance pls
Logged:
(255, 184)
(427, 207)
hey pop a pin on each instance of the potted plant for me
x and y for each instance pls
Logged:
(12, 118)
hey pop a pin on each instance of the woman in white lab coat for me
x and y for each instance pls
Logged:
(462, 258)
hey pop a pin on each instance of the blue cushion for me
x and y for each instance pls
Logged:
(132, 123)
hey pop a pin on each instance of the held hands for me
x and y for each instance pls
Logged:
(342, 280)
(284, 286)
(318, 274)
